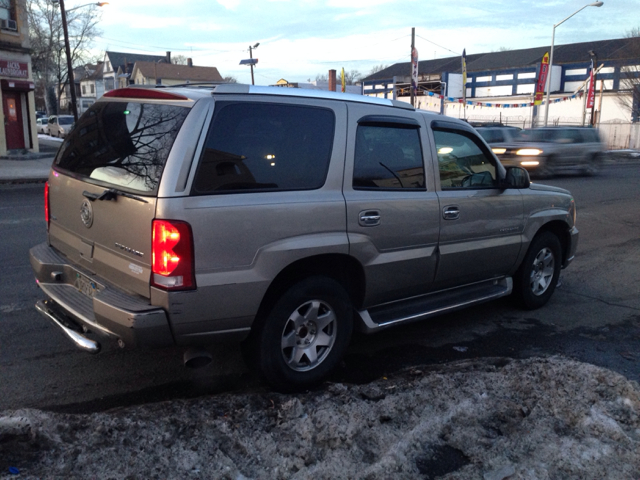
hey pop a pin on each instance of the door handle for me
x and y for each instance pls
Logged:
(451, 212)
(369, 218)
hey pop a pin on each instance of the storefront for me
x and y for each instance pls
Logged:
(16, 94)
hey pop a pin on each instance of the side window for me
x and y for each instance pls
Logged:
(265, 147)
(462, 161)
(388, 157)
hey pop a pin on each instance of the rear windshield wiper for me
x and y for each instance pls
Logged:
(111, 194)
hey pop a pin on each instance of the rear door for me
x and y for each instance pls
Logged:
(103, 187)
(392, 206)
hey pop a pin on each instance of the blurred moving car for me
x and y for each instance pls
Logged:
(42, 125)
(498, 134)
(60, 125)
(548, 151)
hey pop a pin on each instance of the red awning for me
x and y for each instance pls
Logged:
(21, 85)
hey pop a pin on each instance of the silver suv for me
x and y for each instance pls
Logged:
(545, 152)
(283, 219)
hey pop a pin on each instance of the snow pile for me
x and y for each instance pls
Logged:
(479, 419)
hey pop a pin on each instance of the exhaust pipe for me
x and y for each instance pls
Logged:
(197, 358)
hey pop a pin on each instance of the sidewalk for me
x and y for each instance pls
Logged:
(25, 171)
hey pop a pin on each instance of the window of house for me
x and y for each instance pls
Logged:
(7, 10)
(265, 147)
(92, 88)
(84, 89)
(388, 157)
(463, 161)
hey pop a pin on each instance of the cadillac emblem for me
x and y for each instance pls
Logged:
(86, 213)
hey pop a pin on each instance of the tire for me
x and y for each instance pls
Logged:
(304, 336)
(546, 169)
(536, 279)
(594, 165)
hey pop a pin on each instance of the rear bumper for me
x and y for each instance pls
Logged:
(106, 312)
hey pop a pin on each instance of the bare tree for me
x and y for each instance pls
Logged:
(376, 69)
(47, 42)
(351, 77)
(179, 59)
(634, 32)
(230, 79)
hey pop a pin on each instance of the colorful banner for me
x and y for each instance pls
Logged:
(414, 71)
(344, 83)
(542, 79)
(500, 105)
(591, 93)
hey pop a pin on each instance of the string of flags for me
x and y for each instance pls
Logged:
(501, 105)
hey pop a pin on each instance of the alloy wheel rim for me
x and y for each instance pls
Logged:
(308, 335)
(542, 271)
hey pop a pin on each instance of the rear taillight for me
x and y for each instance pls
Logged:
(172, 255)
(46, 203)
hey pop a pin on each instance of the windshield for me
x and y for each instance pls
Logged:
(122, 144)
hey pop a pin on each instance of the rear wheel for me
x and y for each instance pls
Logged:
(304, 336)
(536, 279)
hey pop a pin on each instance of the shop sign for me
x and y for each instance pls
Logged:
(11, 68)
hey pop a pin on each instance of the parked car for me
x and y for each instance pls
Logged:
(548, 151)
(283, 219)
(42, 125)
(60, 125)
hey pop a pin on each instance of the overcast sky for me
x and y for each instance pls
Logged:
(300, 39)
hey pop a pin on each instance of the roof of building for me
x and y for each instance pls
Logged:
(606, 50)
(119, 59)
(184, 73)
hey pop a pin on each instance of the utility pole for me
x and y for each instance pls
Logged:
(413, 47)
(72, 84)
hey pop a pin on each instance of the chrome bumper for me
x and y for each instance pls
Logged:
(108, 312)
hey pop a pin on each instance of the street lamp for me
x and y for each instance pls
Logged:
(594, 66)
(67, 48)
(251, 57)
(553, 37)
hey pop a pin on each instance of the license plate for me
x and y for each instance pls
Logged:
(86, 286)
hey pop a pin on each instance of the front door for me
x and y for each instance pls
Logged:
(13, 126)
(482, 224)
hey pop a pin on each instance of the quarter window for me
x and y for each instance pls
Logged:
(265, 147)
(388, 157)
(462, 161)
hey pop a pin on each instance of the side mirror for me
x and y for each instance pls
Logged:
(516, 177)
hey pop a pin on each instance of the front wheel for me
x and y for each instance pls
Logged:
(536, 279)
(304, 336)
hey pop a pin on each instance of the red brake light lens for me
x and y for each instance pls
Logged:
(46, 203)
(144, 93)
(172, 255)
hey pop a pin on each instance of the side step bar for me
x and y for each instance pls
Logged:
(430, 305)
(82, 342)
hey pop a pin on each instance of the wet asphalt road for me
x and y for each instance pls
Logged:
(593, 317)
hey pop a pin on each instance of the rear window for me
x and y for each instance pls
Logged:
(265, 147)
(65, 120)
(122, 144)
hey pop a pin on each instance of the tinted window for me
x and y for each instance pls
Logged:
(388, 157)
(124, 144)
(462, 161)
(263, 146)
(65, 120)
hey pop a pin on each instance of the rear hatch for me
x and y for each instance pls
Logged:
(103, 188)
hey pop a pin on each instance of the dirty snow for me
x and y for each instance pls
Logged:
(487, 419)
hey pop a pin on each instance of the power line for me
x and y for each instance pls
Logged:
(440, 46)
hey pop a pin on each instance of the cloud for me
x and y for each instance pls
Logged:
(229, 4)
